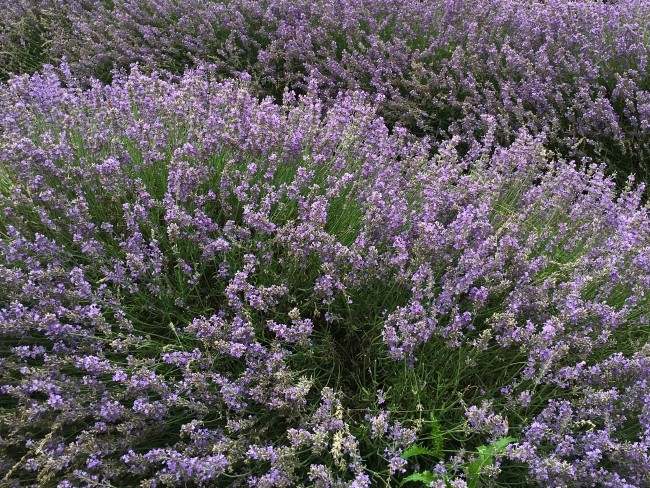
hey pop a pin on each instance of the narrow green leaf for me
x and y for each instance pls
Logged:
(437, 437)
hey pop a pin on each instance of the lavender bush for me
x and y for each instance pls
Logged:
(575, 70)
(203, 288)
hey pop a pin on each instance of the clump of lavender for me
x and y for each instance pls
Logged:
(600, 434)
(190, 245)
(201, 287)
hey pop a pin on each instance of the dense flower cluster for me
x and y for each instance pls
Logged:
(178, 257)
(575, 70)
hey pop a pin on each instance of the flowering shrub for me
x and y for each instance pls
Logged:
(574, 70)
(201, 287)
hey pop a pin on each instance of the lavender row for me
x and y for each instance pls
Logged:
(575, 71)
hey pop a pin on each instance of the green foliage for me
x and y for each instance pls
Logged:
(425, 478)
(486, 456)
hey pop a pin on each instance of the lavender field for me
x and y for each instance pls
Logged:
(324, 243)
